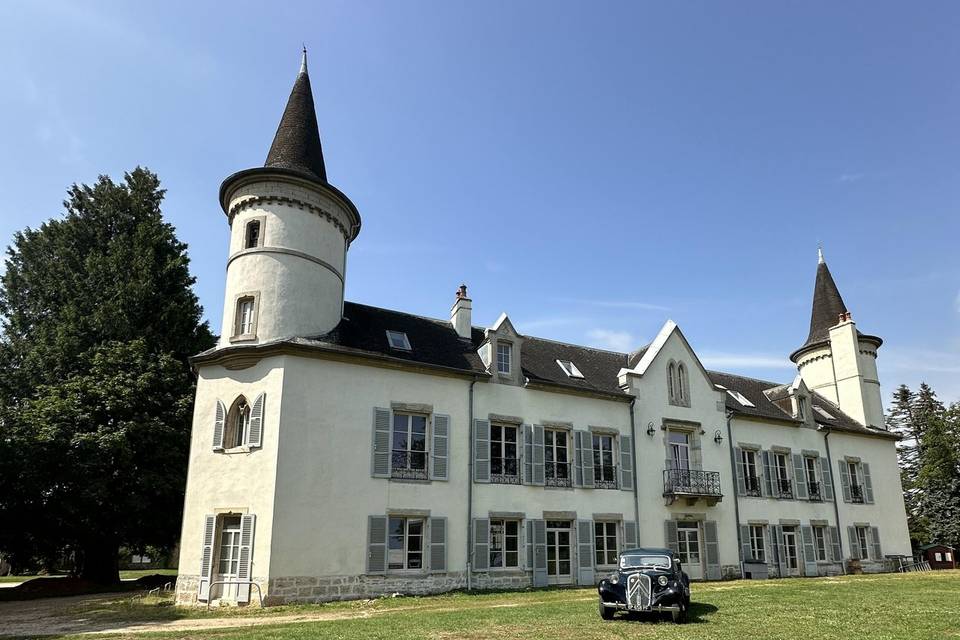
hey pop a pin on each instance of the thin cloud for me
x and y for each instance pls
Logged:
(851, 177)
(717, 359)
(614, 304)
(613, 340)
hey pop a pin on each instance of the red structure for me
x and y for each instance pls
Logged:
(940, 556)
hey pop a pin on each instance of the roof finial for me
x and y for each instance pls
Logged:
(820, 259)
(303, 60)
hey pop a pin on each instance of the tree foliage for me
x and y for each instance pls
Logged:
(99, 321)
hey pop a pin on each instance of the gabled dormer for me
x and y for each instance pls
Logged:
(501, 352)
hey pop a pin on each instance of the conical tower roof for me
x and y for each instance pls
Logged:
(296, 145)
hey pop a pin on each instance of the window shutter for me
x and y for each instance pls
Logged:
(875, 543)
(781, 552)
(835, 544)
(245, 563)
(713, 549)
(380, 452)
(809, 552)
(255, 437)
(746, 552)
(826, 476)
(218, 422)
(206, 555)
(528, 462)
(481, 450)
(670, 535)
(854, 543)
(528, 561)
(586, 450)
(578, 459)
(626, 463)
(438, 545)
(538, 471)
(740, 470)
(696, 454)
(441, 447)
(867, 485)
(769, 548)
(629, 535)
(585, 575)
(481, 544)
(844, 480)
(539, 553)
(767, 474)
(376, 544)
(800, 478)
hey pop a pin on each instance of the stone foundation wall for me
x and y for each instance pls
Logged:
(188, 585)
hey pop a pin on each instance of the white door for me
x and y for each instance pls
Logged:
(559, 569)
(689, 549)
(790, 551)
(228, 556)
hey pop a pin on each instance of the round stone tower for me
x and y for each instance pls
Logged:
(289, 234)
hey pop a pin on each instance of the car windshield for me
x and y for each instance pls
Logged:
(643, 560)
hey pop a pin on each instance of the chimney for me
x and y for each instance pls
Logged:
(460, 313)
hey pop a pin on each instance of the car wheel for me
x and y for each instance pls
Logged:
(605, 612)
(679, 617)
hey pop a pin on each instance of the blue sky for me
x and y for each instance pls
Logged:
(592, 169)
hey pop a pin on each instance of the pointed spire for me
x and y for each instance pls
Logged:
(820, 254)
(296, 145)
(828, 305)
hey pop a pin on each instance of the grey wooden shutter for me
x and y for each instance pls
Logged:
(769, 547)
(800, 478)
(835, 550)
(626, 463)
(376, 544)
(538, 471)
(854, 543)
(528, 561)
(713, 549)
(670, 535)
(740, 471)
(438, 545)
(219, 419)
(875, 543)
(528, 457)
(481, 544)
(696, 454)
(629, 535)
(844, 480)
(578, 459)
(256, 421)
(481, 450)
(827, 475)
(781, 551)
(586, 449)
(245, 561)
(539, 553)
(440, 454)
(809, 551)
(767, 474)
(585, 552)
(867, 484)
(380, 451)
(206, 556)
(746, 551)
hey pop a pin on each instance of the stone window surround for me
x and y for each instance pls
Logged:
(496, 358)
(260, 238)
(236, 316)
(422, 514)
(521, 519)
(694, 429)
(683, 379)
(243, 448)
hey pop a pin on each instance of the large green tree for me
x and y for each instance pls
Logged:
(99, 321)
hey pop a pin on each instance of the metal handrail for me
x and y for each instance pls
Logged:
(691, 482)
(237, 582)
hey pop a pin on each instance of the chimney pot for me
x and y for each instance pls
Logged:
(461, 312)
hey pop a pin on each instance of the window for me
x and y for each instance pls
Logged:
(813, 485)
(246, 318)
(605, 542)
(820, 542)
(229, 551)
(681, 383)
(801, 407)
(751, 478)
(252, 237)
(861, 542)
(604, 471)
(739, 397)
(237, 428)
(504, 357)
(757, 542)
(409, 452)
(671, 382)
(679, 443)
(938, 557)
(948, 556)
(504, 465)
(405, 541)
(557, 463)
(856, 489)
(782, 464)
(570, 369)
(504, 544)
(677, 384)
(398, 340)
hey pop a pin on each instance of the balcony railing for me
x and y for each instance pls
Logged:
(856, 493)
(752, 486)
(605, 476)
(784, 488)
(690, 482)
(505, 471)
(558, 474)
(409, 465)
(813, 488)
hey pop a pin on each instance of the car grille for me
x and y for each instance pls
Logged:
(638, 591)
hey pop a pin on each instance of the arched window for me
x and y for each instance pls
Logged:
(252, 236)
(681, 383)
(237, 428)
(671, 382)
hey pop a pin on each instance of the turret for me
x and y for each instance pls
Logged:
(837, 361)
(290, 230)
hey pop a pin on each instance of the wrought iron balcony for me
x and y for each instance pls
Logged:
(409, 465)
(505, 471)
(605, 476)
(856, 493)
(784, 488)
(692, 485)
(558, 474)
(814, 490)
(752, 486)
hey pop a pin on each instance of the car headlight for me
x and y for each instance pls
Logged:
(662, 580)
(614, 578)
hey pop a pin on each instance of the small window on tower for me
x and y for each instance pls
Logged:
(253, 235)
(245, 322)
(398, 340)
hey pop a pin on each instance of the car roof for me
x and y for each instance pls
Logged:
(650, 550)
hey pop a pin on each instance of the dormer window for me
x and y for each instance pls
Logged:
(252, 235)
(398, 340)
(739, 397)
(801, 407)
(504, 358)
(570, 369)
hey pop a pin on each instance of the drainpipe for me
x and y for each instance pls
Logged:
(636, 471)
(736, 497)
(836, 507)
(470, 489)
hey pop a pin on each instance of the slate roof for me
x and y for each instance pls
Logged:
(296, 146)
(599, 368)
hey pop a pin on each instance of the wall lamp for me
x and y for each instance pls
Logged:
(717, 436)
(650, 429)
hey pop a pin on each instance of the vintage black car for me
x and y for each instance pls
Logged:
(647, 580)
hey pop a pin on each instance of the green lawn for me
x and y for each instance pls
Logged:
(921, 606)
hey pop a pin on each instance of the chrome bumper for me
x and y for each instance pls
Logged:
(658, 608)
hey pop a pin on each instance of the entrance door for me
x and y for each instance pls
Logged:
(559, 570)
(228, 556)
(688, 547)
(790, 551)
